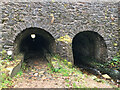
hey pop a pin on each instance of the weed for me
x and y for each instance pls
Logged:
(67, 85)
(20, 73)
(7, 82)
(49, 65)
(65, 74)
(80, 86)
(56, 69)
(9, 58)
(24, 67)
(114, 63)
(86, 75)
(99, 80)
(74, 85)
(67, 80)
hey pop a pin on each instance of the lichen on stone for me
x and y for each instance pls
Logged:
(65, 39)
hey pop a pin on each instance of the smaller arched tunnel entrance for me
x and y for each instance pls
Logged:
(88, 48)
(34, 44)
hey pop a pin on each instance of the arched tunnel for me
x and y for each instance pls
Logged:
(88, 48)
(34, 43)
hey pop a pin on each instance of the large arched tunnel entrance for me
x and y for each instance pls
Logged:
(34, 44)
(88, 48)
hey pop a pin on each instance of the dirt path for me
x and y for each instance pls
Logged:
(38, 75)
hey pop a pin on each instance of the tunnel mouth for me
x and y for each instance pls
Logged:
(35, 44)
(89, 49)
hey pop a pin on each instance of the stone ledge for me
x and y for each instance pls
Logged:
(69, 1)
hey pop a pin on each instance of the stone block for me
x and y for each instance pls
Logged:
(0, 35)
(0, 47)
(16, 69)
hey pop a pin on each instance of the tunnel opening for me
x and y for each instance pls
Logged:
(35, 44)
(89, 48)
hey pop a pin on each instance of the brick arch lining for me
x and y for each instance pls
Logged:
(89, 47)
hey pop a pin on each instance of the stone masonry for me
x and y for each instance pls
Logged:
(70, 18)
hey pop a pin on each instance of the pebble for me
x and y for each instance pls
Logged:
(118, 81)
(75, 75)
(45, 73)
(41, 72)
(43, 77)
(94, 77)
(35, 74)
(40, 76)
(30, 77)
(49, 76)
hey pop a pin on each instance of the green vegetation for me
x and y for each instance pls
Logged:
(74, 85)
(71, 73)
(7, 62)
(24, 67)
(8, 81)
(66, 69)
(115, 62)
(9, 58)
(99, 80)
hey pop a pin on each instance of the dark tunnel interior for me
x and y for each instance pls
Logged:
(88, 47)
(33, 48)
(36, 45)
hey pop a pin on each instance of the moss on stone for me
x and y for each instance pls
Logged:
(65, 39)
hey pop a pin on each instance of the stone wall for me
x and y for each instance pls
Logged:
(119, 23)
(1, 25)
(61, 19)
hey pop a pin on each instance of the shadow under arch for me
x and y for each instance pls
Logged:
(88, 48)
(42, 44)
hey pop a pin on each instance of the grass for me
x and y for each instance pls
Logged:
(8, 82)
(66, 70)
(73, 74)
(7, 61)
(67, 80)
